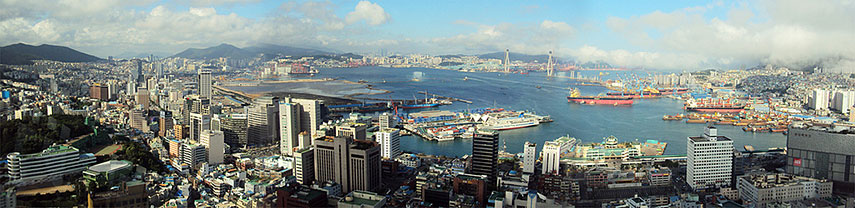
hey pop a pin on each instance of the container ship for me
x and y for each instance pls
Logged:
(714, 105)
(598, 100)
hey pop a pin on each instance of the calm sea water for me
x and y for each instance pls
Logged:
(590, 123)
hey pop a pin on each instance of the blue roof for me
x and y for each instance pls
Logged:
(3, 161)
(802, 116)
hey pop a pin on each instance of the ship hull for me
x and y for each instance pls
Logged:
(519, 126)
(717, 110)
(419, 106)
(601, 100)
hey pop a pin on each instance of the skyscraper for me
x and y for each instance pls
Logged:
(485, 156)
(529, 158)
(355, 164)
(818, 99)
(263, 121)
(289, 127)
(390, 142)
(205, 90)
(709, 160)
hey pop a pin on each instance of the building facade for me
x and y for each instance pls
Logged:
(485, 156)
(709, 159)
(823, 153)
(55, 160)
(390, 142)
(760, 189)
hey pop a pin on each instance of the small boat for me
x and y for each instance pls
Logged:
(696, 121)
(465, 78)
(538, 87)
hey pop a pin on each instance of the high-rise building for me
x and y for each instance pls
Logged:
(529, 157)
(137, 119)
(234, 129)
(310, 115)
(709, 159)
(818, 99)
(551, 157)
(180, 131)
(390, 142)
(205, 90)
(164, 123)
(485, 156)
(193, 154)
(214, 141)
(355, 164)
(143, 98)
(99, 91)
(823, 153)
(387, 120)
(289, 127)
(55, 160)
(843, 100)
(198, 123)
(304, 165)
(263, 121)
(353, 130)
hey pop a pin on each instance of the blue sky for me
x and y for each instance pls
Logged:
(680, 35)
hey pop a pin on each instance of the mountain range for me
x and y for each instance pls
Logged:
(23, 54)
(266, 51)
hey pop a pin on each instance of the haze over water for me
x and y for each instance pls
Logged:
(590, 123)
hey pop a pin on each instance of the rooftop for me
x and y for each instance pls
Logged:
(54, 149)
(704, 139)
(110, 166)
(776, 180)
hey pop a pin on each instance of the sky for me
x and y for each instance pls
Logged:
(676, 35)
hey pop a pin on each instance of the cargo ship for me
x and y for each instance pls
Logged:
(714, 105)
(576, 97)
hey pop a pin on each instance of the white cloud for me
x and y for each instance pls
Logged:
(372, 13)
(535, 38)
(794, 33)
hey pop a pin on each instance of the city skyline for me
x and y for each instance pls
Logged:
(656, 35)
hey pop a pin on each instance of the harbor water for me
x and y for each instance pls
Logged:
(532, 92)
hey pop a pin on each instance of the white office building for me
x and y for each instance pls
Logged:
(710, 160)
(390, 143)
(214, 141)
(193, 154)
(551, 157)
(529, 157)
(53, 161)
(289, 127)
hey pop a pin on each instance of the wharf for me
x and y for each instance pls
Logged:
(445, 97)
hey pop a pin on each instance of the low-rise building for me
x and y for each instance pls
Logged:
(362, 199)
(761, 189)
(55, 160)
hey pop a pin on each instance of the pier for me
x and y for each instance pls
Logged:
(445, 97)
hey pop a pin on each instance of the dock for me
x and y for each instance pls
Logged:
(445, 97)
